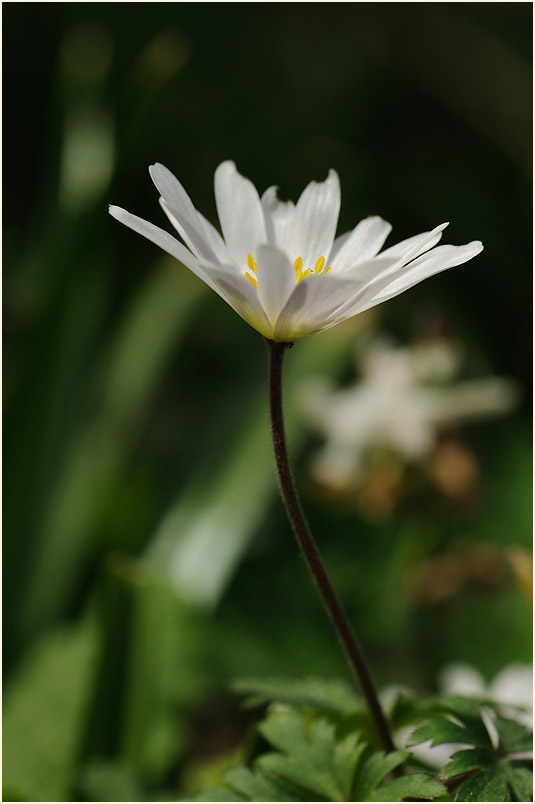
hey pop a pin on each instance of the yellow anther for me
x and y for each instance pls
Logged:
(251, 263)
(320, 264)
(318, 269)
(252, 280)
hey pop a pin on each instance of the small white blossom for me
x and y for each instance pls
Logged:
(403, 399)
(279, 265)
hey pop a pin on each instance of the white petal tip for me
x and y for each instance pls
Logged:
(477, 246)
(114, 211)
(157, 168)
(228, 164)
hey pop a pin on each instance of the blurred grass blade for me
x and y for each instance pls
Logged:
(133, 371)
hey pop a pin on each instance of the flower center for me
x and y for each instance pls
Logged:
(298, 265)
(318, 269)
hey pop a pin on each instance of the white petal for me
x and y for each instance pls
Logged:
(427, 265)
(315, 220)
(310, 305)
(240, 213)
(386, 286)
(184, 216)
(158, 236)
(389, 262)
(276, 280)
(363, 243)
(212, 235)
(236, 290)
(279, 218)
(414, 246)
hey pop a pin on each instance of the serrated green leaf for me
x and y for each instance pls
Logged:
(309, 761)
(312, 759)
(469, 713)
(283, 728)
(325, 695)
(413, 786)
(257, 786)
(348, 754)
(454, 719)
(375, 771)
(468, 760)
(520, 782)
(489, 785)
(439, 730)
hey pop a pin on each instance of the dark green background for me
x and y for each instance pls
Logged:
(129, 388)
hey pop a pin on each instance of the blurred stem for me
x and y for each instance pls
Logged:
(310, 551)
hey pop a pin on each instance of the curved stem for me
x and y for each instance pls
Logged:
(306, 542)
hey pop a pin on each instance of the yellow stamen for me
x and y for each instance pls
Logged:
(251, 263)
(320, 264)
(252, 280)
(306, 273)
(298, 264)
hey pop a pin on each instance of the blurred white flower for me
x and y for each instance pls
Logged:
(278, 265)
(512, 687)
(403, 399)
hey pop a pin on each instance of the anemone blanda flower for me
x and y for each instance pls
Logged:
(279, 265)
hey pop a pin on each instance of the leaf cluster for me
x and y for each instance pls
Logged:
(494, 765)
(316, 743)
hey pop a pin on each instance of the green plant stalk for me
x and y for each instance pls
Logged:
(306, 542)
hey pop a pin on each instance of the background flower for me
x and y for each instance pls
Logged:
(396, 415)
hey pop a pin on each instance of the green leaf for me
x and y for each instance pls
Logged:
(439, 730)
(513, 736)
(520, 782)
(257, 786)
(412, 786)
(468, 760)
(375, 771)
(489, 785)
(311, 758)
(313, 763)
(454, 719)
(329, 696)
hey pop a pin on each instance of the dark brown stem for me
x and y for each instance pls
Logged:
(308, 547)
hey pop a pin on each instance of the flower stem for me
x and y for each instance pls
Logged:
(306, 542)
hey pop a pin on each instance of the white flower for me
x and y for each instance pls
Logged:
(279, 265)
(405, 396)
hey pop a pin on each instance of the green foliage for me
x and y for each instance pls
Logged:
(319, 751)
(324, 695)
(495, 768)
(45, 709)
(314, 761)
